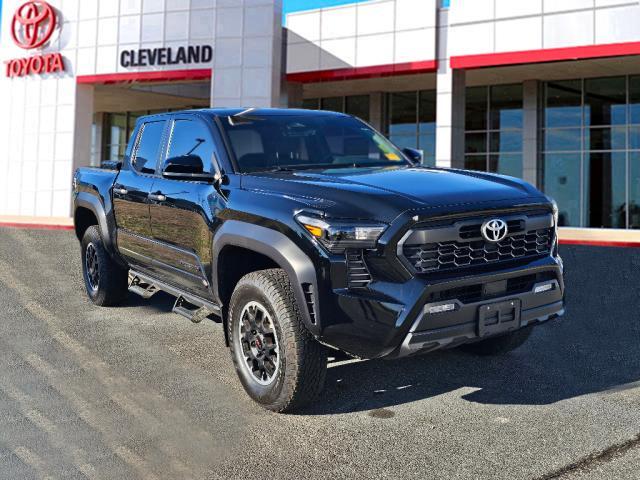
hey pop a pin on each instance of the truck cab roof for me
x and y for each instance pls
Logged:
(256, 112)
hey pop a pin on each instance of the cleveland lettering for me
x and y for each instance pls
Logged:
(150, 57)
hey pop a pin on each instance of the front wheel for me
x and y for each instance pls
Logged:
(280, 364)
(499, 345)
(106, 281)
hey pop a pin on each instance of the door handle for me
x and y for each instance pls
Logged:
(157, 197)
(120, 190)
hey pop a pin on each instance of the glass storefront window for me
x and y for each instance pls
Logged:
(563, 105)
(412, 121)
(311, 103)
(506, 164)
(333, 104)
(605, 101)
(561, 181)
(634, 189)
(597, 184)
(476, 108)
(476, 142)
(563, 139)
(133, 118)
(116, 132)
(506, 107)
(506, 141)
(356, 105)
(493, 119)
(427, 125)
(427, 110)
(605, 190)
(634, 100)
(608, 138)
(475, 162)
(403, 118)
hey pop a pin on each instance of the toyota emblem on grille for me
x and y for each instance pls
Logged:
(494, 230)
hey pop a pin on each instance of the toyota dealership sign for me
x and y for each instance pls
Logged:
(32, 28)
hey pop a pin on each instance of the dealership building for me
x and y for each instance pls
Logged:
(545, 90)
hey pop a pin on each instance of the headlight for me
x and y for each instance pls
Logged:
(556, 214)
(338, 235)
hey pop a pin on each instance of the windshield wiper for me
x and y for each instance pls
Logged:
(280, 168)
(318, 166)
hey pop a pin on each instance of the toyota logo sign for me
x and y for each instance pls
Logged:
(494, 230)
(33, 24)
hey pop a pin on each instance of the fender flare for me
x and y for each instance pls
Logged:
(278, 248)
(93, 204)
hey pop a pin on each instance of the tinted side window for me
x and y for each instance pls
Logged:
(148, 147)
(190, 141)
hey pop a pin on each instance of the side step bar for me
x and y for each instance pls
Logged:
(188, 305)
(187, 309)
(140, 287)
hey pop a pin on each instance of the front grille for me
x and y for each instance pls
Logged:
(459, 246)
(358, 275)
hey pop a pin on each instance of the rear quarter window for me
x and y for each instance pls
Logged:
(145, 157)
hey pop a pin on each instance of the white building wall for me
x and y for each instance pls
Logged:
(46, 122)
(247, 54)
(498, 26)
(36, 156)
(379, 32)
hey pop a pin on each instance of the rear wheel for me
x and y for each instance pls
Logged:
(280, 364)
(499, 345)
(106, 281)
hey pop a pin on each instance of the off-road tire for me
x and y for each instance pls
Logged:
(302, 360)
(112, 284)
(499, 345)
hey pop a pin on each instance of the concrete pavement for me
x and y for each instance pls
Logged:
(139, 392)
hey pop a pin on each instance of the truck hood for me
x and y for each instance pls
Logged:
(384, 193)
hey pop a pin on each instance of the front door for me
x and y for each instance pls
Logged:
(131, 191)
(181, 212)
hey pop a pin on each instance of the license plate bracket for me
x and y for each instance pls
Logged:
(495, 318)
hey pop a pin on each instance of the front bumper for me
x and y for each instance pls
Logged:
(465, 324)
(394, 320)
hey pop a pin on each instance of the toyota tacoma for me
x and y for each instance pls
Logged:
(306, 231)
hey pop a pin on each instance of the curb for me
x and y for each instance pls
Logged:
(35, 226)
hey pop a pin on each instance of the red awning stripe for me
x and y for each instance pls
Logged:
(428, 66)
(545, 55)
(155, 76)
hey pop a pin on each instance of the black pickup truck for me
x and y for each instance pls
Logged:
(303, 231)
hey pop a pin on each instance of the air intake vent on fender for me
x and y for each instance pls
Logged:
(358, 275)
(310, 298)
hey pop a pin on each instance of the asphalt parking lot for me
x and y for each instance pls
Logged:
(139, 392)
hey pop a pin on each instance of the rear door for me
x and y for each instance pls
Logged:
(182, 212)
(131, 191)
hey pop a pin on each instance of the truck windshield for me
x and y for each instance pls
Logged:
(271, 143)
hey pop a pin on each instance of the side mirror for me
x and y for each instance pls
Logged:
(186, 167)
(414, 155)
(111, 165)
(184, 164)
